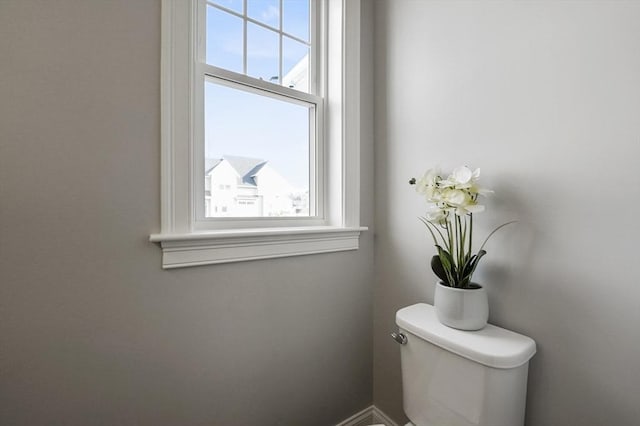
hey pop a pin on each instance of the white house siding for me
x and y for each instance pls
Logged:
(223, 181)
(276, 191)
(234, 195)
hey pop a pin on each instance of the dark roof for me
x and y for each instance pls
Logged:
(246, 167)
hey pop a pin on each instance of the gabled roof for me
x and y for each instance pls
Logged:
(210, 164)
(246, 167)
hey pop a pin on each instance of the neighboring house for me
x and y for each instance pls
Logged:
(250, 187)
(298, 77)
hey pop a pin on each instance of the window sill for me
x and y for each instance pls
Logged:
(205, 248)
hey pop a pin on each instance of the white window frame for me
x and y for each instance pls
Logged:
(183, 239)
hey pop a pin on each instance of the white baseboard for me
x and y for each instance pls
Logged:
(369, 416)
(380, 417)
(362, 418)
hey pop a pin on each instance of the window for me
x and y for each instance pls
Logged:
(260, 136)
(261, 112)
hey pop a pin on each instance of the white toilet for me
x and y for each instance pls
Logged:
(461, 378)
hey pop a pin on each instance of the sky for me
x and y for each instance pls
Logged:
(242, 123)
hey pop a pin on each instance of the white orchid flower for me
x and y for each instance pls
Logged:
(463, 178)
(427, 185)
(456, 197)
(436, 215)
(480, 190)
(462, 175)
(469, 209)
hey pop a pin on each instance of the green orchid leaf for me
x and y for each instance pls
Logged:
(469, 269)
(468, 266)
(445, 258)
(478, 257)
(474, 265)
(448, 265)
(438, 269)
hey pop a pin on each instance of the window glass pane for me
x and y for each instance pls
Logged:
(265, 11)
(256, 154)
(235, 5)
(295, 18)
(224, 40)
(262, 53)
(295, 64)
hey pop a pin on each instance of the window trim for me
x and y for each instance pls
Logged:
(182, 244)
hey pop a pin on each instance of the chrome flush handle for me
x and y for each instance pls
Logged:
(400, 338)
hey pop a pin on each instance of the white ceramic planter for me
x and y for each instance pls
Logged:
(464, 309)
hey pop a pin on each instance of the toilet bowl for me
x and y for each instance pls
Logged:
(461, 378)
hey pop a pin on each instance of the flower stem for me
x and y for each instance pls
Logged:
(470, 232)
(428, 225)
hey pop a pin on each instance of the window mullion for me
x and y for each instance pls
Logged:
(224, 9)
(280, 56)
(244, 36)
(256, 22)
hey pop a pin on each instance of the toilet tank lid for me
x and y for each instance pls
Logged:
(492, 346)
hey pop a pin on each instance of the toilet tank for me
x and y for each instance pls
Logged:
(462, 378)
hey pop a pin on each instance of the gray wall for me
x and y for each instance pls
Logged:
(545, 98)
(92, 330)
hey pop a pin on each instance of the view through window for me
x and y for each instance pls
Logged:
(259, 142)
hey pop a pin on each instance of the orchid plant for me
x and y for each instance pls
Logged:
(452, 202)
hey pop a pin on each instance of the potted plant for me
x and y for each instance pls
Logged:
(452, 202)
